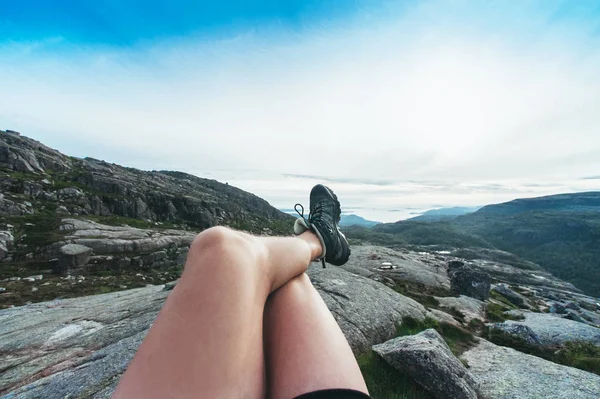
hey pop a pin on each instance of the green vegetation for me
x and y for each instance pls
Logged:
(385, 382)
(424, 294)
(501, 298)
(412, 326)
(458, 339)
(495, 313)
(582, 355)
(115, 220)
(567, 244)
(101, 282)
(424, 233)
(37, 230)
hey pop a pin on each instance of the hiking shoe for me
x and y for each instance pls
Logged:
(323, 220)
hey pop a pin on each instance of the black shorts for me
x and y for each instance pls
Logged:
(334, 394)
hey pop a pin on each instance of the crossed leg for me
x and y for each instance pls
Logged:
(208, 340)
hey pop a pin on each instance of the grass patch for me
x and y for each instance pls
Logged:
(412, 326)
(501, 298)
(100, 282)
(35, 231)
(581, 355)
(457, 314)
(421, 293)
(458, 339)
(385, 382)
(495, 313)
(115, 220)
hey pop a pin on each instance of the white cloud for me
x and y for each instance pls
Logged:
(430, 94)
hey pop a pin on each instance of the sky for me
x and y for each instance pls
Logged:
(399, 106)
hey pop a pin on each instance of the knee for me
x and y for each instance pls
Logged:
(222, 239)
(212, 236)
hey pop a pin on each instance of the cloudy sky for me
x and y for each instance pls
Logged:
(399, 106)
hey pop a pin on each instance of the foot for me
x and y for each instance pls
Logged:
(323, 221)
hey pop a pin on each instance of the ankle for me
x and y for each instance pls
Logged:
(316, 249)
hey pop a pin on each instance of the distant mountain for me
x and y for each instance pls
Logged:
(355, 220)
(575, 202)
(435, 215)
(559, 232)
(345, 221)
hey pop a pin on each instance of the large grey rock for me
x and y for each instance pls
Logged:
(470, 282)
(409, 266)
(515, 298)
(555, 330)
(518, 330)
(428, 360)
(8, 207)
(590, 317)
(504, 373)
(73, 256)
(81, 346)
(6, 243)
(470, 308)
(114, 240)
(558, 308)
(367, 312)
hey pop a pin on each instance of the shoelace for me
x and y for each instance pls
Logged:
(301, 213)
(307, 221)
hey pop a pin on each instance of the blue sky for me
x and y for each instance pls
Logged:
(395, 104)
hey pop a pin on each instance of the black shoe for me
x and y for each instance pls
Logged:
(323, 220)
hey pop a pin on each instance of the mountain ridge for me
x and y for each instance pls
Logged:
(563, 235)
(445, 213)
(95, 187)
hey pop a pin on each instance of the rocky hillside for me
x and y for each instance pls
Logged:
(422, 324)
(35, 179)
(559, 232)
(103, 226)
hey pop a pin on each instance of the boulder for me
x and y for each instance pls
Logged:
(367, 312)
(470, 308)
(73, 256)
(557, 308)
(573, 315)
(504, 373)
(470, 282)
(72, 195)
(513, 297)
(455, 264)
(591, 317)
(6, 243)
(518, 330)
(443, 317)
(428, 360)
(553, 330)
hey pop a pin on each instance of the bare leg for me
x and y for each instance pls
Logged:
(305, 349)
(207, 339)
